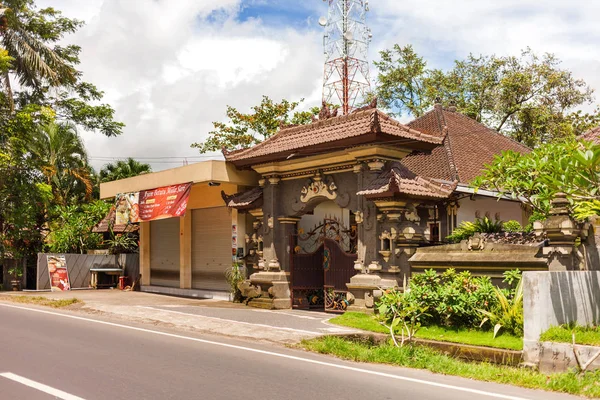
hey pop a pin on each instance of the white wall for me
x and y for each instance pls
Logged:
(507, 210)
(561, 297)
(323, 210)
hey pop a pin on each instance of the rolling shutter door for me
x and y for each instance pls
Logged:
(164, 252)
(211, 248)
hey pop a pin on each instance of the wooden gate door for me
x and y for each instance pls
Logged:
(320, 267)
(307, 279)
(338, 268)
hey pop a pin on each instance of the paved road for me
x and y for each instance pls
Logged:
(309, 321)
(74, 357)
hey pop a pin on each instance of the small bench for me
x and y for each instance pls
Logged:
(113, 272)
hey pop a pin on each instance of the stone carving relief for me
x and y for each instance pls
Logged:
(369, 211)
(412, 215)
(476, 242)
(319, 188)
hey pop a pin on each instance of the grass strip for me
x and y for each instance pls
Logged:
(420, 357)
(586, 335)
(464, 336)
(43, 301)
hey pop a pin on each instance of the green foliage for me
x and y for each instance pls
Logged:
(396, 312)
(470, 336)
(123, 169)
(508, 312)
(246, 130)
(451, 299)
(43, 301)
(467, 229)
(62, 158)
(46, 68)
(585, 335)
(569, 166)
(429, 359)
(525, 97)
(235, 275)
(512, 226)
(16, 271)
(121, 243)
(71, 229)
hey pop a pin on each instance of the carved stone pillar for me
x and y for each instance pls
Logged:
(287, 228)
(273, 243)
(367, 212)
(562, 232)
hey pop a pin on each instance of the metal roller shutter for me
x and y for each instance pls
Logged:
(164, 252)
(211, 248)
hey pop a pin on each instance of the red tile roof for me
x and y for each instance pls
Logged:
(467, 147)
(363, 126)
(593, 135)
(399, 179)
(249, 199)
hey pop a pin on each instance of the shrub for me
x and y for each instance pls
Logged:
(467, 229)
(450, 299)
(234, 276)
(508, 313)
(512, 226)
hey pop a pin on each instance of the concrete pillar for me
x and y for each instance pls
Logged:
(185, 251)
(145, 252)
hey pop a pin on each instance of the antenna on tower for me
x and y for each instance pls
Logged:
(346, 42)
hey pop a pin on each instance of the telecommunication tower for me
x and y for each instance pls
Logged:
(346, 42)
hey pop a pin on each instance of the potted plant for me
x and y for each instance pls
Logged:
(17, 274)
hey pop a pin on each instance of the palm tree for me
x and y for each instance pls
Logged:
(34, 63)
(62, 160)
(123, 169)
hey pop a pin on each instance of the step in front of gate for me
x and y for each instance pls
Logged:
(261, 302)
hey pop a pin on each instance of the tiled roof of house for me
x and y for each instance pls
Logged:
(467, 147)
(593, 135)
(108, 223)
(249, 199)
(399, 179)
(364, 123)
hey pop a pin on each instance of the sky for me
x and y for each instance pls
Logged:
(170, 67)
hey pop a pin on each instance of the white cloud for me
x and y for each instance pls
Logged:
(168, 70)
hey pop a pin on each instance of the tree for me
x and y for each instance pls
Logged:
(246, 130)
(24, 196)
(123, 169)
(71, 230)
(569, 166)
(527, 97)
(63, 161)
(46, 70)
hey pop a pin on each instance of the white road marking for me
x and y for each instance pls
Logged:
(274, 354)
(336, 330)
(289, 314)
(232, 320)
(40, 386)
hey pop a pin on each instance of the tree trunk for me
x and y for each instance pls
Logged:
(9, 93)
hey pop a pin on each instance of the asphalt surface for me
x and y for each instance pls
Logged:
(99, 359)
(309, 321)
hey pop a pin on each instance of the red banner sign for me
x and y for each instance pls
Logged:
(164, 202)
